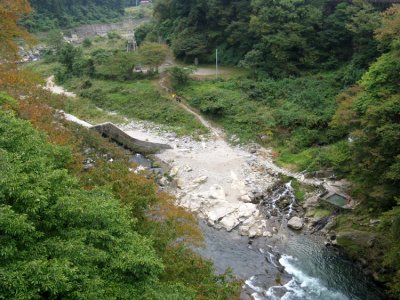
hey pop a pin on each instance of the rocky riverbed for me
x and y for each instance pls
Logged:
(252, 221)
(223, 184)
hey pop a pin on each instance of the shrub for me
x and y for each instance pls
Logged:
(87, 43)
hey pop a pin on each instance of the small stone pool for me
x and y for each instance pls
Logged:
(337, 200)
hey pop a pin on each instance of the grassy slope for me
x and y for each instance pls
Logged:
(289, 114)
(140, 99)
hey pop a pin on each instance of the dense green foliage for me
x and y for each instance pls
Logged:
(369, 114)
(376, 134)
(292, 112)
(179, 76)
(57, 239)
(64, 13)
(276, 37)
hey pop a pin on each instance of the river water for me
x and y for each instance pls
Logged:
(288, 266)
(310, 269)
(141, 161)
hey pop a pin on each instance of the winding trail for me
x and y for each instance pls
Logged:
(56, 89)
(265, 153)
(215, 132)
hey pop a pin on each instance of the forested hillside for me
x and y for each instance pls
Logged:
(63, 13)
(277, 37)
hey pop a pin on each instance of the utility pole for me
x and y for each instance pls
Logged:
(136, 3)
(216, 63)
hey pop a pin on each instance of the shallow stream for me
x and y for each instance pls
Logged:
(289, 265)
(311, 270)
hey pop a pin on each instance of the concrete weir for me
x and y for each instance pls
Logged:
(109, 130)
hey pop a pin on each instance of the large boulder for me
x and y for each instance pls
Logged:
(296, 223)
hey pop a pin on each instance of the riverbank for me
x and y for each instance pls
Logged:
(211, 178)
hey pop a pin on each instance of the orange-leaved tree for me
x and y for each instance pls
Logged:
(11, 11)
(11, 34)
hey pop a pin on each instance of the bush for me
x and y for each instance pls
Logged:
(302, 138)
(8, 102)
(113, 35)
(59, 239)
(180, 76)
(117, 67)
(87, 43)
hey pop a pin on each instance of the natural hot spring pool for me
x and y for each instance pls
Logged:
(337, 200)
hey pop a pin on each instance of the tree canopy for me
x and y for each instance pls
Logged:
(57, 239)
(10, 13)
(278, 37)
(51, 14)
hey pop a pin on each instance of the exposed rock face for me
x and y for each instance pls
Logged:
(213, 206)
(296, 223)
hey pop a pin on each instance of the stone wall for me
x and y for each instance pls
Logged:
(102, 29)
(115, 134)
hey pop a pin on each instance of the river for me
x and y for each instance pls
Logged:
(311, 270)
(291, 265)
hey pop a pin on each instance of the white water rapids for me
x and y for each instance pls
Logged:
(301, 286)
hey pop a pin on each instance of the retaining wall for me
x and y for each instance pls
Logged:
(109, 130)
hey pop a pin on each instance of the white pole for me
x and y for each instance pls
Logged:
(216, 63)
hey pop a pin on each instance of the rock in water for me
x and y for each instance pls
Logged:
(295, 223)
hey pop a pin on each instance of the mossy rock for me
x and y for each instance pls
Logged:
(355, 242)
(318, 213)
